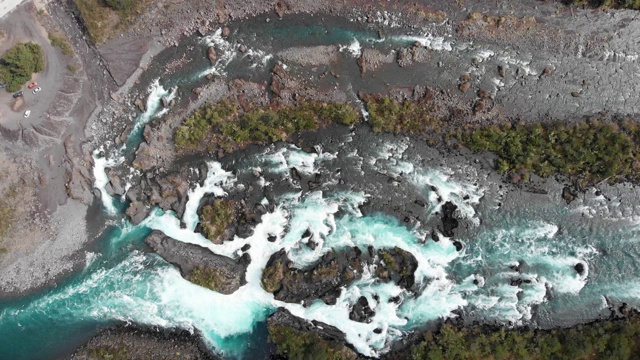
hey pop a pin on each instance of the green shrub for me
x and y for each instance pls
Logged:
(615, 4)
(298, 345)
(216, 218)
(206, 277)
(590, 152)
(18, 63)
(387, 115)
(257, 125)
(611, 339)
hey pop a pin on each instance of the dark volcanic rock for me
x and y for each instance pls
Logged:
(568, 194)
(143, 344)
(325, 279)
(361, 311)
(449, 222)
(199, 265)
(316, 339)
(579, 268)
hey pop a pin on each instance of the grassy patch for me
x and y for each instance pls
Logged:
(206, 277)
(222, 123)
(102, 18)
(18, 63)
(73, 68)
(298, 345)
(615, 339)
(62, 42)
(216, 218)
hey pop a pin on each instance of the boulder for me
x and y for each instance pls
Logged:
(568, 194)
(316, 340)
(211, 54)
(361, 312)
(199, 265)
(449, 222)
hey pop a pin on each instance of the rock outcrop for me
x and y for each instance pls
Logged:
(335, 270)
(309, 339)
(199, 265)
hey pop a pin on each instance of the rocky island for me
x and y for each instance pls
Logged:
(312, 180)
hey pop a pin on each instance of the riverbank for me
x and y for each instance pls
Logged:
(477, 64)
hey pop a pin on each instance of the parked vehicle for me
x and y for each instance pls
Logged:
(32, 85)
(27, 113)
(18, 94)
(1, 86)
(36, 90)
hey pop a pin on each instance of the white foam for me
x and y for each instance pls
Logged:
(217, 179)
(100, 166)
(428, 41)
(355, 49)
(225, 53)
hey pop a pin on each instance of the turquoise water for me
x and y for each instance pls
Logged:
(123, 283)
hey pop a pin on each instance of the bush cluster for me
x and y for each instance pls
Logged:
(615, 4)
(18, 63)
(257, 125)
(216, 218)
(297, 345)
(612, 339)
(387, 115)
(589, 152)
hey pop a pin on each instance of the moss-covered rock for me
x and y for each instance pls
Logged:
(216, 219)
(199, 265)
(335, 270)
(297, 339)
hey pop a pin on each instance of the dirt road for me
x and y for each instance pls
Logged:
(22, 26)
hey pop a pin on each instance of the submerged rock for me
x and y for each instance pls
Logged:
(199, 265)
(361, 312)
(297, 338)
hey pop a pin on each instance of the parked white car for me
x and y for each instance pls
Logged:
(36, 90)
(27, 113)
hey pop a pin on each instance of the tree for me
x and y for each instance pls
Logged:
(18, 63)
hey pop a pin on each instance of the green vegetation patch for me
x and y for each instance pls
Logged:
(588, 152)
(272, 277)
(408, 117)
(207, 277)
(102, 18)
(298, 345)
(614, 4)
(223, 124)
(61, 42)
(614, 339)
(216, 218)
(18, 63)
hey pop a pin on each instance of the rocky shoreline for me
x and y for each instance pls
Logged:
(547, 73)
